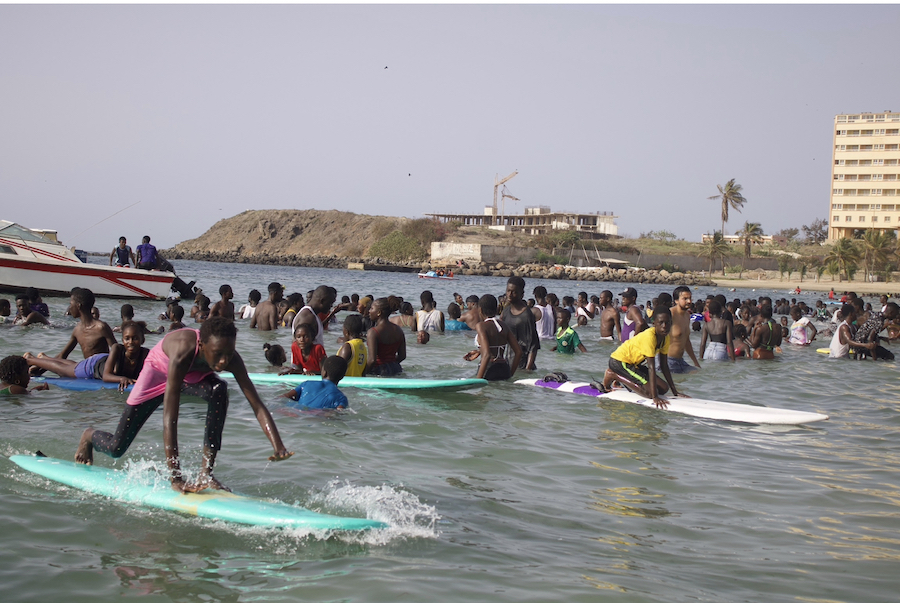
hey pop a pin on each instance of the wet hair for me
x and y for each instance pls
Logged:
(275, 286)
(488, 305)
(32, 293)
(353, 324)
(472, 298)
(335, 367)
(453, 311)
(721, 299)
(273, 353)
(540, 291)
(394, 302)
(84, 298)
(217, 326)
(892, 306)
(122, 239)
(858, 304)
(345, 299)
(676, 293)
(740, 331)
(765, 310)
(308, 327)
(426, 298)
(796, 312)
(177, 313)
(407, 308)
(295, 299)
(255, 295)
(203, 301)
(11, 368)
(663, 300)
(127, 312)
(4, 303)
(715, 308)
(140, 325)
(565, 314)
(224, 288)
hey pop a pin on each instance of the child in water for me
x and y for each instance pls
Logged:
(567, 339)
(306, 354)
(322, 394)
(353, 350)
(14, 377)
(274, 354)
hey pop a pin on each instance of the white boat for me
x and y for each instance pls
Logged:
(34, 258)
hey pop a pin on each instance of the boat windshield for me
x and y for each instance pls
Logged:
(15, 231)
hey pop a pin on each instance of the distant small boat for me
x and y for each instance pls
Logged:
(433, 274)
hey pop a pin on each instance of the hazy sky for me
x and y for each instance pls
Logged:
(197, 113)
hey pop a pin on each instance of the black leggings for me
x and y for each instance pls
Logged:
(212, 389)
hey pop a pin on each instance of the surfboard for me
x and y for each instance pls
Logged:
(366, 382)
(210, 504)
(79, 385)
(695, 407)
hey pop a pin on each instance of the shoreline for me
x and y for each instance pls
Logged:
(823, 286)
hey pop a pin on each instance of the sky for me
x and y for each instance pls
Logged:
(163, 119)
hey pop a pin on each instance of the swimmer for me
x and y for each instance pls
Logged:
(306, 354)
(266, 316)
(322, 394)
(353, 350)
(275, 354)
(14, 377)
(386, 341)
(493, 338)
(224, 307)
(567, 339)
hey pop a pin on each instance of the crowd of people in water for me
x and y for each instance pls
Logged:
(509, 331)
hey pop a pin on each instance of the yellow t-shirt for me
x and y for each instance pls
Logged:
(640, 347)
(359, 359)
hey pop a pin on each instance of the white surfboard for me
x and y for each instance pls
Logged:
(695, 407)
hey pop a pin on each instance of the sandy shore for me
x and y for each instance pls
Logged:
(825, 284)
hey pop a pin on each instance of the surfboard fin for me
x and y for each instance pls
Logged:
(38, 453)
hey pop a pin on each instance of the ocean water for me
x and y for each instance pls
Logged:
(503, 493)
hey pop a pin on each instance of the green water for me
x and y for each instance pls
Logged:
(503, 493)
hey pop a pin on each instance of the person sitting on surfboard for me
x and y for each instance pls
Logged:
(184, 362)
(322, 394)
(14, 377)
(628, 364)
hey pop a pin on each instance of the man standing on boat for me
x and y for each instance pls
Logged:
(146, 255)
(122, 255)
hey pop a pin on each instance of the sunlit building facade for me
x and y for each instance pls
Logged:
(865, 174)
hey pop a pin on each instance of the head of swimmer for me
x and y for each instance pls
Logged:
(217, 340)
(662, 321)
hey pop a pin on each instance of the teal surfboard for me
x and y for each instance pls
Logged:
(211, 504)
(366, 382)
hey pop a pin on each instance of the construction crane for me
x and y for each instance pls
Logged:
(504, 195)
(497, 184)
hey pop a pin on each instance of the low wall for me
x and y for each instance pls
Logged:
(475, 253)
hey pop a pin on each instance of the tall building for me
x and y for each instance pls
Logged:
(865, 174)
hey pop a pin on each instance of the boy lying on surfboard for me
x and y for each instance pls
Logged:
(628, 363)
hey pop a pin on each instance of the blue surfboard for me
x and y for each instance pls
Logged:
(79, 385)
(211, 504)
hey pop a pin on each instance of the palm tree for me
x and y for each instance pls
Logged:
(715, 248)
(731, 197)
(845, 254)
(877, 246)
(751, 233)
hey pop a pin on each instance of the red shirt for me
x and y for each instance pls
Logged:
(313, 363)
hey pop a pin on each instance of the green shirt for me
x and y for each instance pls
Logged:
(567, 341)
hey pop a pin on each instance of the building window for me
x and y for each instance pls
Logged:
(848, 219)
(838, 176)
(863, 207)
(837, 219)
(862, 218)
(876, 206)
(838, 162)
(874, 218)
(837, 191)
(876, 191)
(836, 206)
(879, 132)
(877, 147)
(887, 218)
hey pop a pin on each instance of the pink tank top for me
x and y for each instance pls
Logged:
(152, 380)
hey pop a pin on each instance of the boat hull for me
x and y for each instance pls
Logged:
(49, 277)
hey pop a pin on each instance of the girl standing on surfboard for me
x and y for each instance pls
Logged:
(184, 362)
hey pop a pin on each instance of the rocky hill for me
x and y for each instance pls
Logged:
(280, 236)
